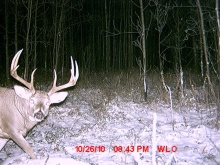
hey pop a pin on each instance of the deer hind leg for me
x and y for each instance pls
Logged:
(2, 143)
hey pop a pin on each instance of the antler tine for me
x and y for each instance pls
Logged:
(72, 81)
(55, 78)
(14, 67)
(32, 78)
(75, 78)
(15, 61)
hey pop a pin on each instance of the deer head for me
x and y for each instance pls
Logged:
(39, 101)
(22, 108)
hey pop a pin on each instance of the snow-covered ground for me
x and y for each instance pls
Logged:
(92, 127)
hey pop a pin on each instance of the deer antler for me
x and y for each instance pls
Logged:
(72, 81)
(14, 67)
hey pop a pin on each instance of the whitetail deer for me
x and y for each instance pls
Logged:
(22, 108)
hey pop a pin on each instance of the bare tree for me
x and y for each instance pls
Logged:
(206, 54)
(140, 42)
(205, 47)
(161, 15)
(58, 28)
(218, 32)
(143, 48)
(6, 41)
(29, 8)
(107, 38)
(179, 38)
(16, 25)
(35, 32)
(218, 56)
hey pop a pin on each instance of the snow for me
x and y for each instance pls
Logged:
(91, 121)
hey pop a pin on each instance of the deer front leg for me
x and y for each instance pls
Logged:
(19, 139)
(3, 142)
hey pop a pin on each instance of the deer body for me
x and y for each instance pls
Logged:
(22, 108)
(13, 120)
(16, 110)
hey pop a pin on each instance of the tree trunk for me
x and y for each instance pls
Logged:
(35, 34)
(6, 41)
(29, 14)
(107, 38)
(16, 25)
(218, 56)
(161, 19)
(205, 48)
(218, 33)
(143, 48)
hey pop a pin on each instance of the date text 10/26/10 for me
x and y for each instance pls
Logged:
(131, 148)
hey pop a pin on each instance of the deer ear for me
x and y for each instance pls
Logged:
(22, 92)
(58, 97)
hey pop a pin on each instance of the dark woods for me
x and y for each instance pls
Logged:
(107, 34)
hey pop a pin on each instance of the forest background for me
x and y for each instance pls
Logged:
(176, 37)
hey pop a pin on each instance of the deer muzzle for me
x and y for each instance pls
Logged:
(39, 115)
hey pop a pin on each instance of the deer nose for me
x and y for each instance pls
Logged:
(39, 115)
